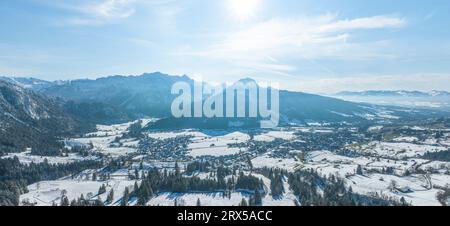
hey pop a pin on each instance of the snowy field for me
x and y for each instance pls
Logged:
(27, 158)
(168, 135)
(207, 142)
(283, 163)
(104, 140)
(190, 199)
(45, 193)
(217, 145)
(418, 196)
(272, 135)
(399, 149)
(406, 139)
(420, 188)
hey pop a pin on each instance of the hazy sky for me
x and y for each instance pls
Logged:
(308, 45)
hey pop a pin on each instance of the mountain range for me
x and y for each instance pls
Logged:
(66, 104)
(30, 119)
(149, 95)
(416, 99)
(394, 93)
(29, 83)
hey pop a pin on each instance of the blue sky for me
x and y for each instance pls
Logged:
(309, 45)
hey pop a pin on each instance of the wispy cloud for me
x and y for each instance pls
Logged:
(91, 12)
(308, 38)
(109, 8)
(96, 12)
(361, 23)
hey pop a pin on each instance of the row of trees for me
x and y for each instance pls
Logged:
(249, 182)
(438, 156)
(276, 177)
(81, 201)
(315, 190)
(197, 166)
(155, 181)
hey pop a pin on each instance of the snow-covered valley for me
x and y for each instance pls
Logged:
(394, 167)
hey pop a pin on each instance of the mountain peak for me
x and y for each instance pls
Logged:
(247, 80)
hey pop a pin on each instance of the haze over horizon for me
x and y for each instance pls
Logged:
(262, 83)
(310, 46)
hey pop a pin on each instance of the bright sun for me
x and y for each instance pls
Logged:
(243, 9)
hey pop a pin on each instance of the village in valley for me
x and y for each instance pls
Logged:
(311, 164)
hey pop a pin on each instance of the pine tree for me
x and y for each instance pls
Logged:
(243, 202)
(136, 174)
(177, 170)
(359, 170)
(98, 202)
(258, 199)
(198, 202)
(126, 197)
(144, 193)
(102, 189)
(136, 187)
(150, 191)
(403, 201)
(110, 197)
(64, 201)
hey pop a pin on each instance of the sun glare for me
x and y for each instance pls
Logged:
(243, 9)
